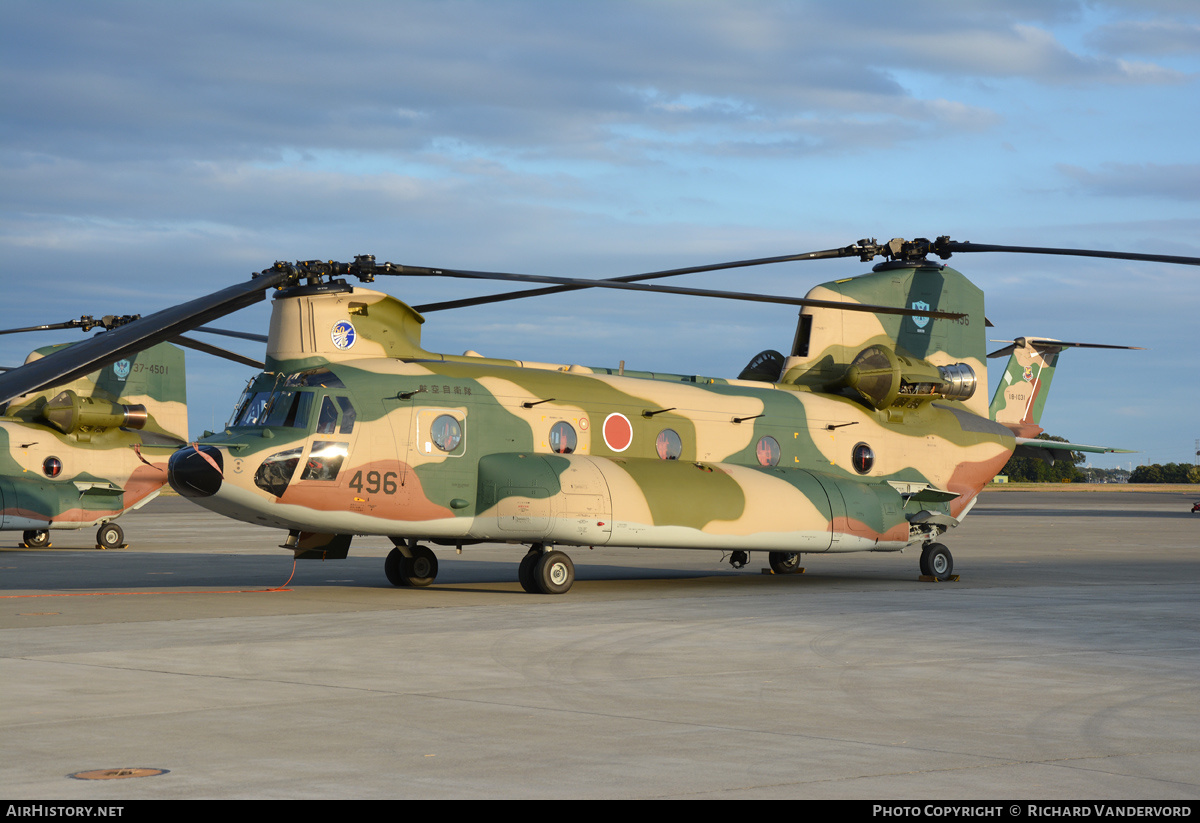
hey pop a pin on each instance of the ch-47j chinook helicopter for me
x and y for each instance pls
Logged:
(82, 452)
(870, 435)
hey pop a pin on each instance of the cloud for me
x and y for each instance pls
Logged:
(1147, 37)
(1178, 181)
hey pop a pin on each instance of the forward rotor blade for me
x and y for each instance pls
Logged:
(243, 335)
(634, 278)
(217, 351)
(96, 352)
(48, 327)
(420, 271)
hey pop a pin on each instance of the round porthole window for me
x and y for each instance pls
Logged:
(446, 433)
(562, 438)
(52, 467)
(668, 445)
(767, 451)
(862, 458)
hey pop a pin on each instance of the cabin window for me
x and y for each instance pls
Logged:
(767, 451)
(52, 467)
(668, 445)
(446, 433)
(325, 460)
(862, 458)
(562, 438)
(276, 471)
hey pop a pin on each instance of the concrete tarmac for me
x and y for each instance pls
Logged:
(1064, 663)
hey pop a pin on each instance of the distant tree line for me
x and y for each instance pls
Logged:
(1096, 475)
(1166, 473)
(1036, 470)
(1066, 470)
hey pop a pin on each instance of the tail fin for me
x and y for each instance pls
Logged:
(155, 379)
(1023, 388)
(146, 391)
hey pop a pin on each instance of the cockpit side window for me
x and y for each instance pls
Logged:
(327, 422)
(289, 409)
(348, 415)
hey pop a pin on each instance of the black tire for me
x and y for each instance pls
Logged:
(937, 562)
(554, 573)
(421, 569)
(391, 567)
(36, 538)
(784, 562)
(110, 536)
(525, 571)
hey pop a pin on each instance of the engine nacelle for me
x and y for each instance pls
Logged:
(886, 379)
(70, 413)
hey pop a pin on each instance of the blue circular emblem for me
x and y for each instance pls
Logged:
(343, 334)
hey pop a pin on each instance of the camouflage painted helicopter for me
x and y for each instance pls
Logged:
(869, 436)
(81, 453)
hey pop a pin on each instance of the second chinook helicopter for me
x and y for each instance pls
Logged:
(872, 434)
(79, 453)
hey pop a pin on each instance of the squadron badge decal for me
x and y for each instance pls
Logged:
(343, 335)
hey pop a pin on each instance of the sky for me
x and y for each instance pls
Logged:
(153, 152)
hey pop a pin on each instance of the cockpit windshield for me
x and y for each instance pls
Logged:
(279, 399)
(287, 401)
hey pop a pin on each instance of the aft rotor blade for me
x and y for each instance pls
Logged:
(634, 278)
(96, 352)
(642, 287)
(1046, 344)
(952, 246)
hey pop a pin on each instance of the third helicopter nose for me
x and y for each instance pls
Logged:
(196, 471)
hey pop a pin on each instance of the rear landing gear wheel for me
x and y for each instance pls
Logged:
(110, 536)
(784, 562)
(553, 573)
(937, 562)
(36, 538)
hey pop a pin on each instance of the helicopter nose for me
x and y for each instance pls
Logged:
(196, 471)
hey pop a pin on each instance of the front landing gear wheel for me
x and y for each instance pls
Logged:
(418, 568)
(421, 569)
(739, 559)
(937, 562)
(525, 571)
(36, 538)
(391, 567)
(553, 573)
(110, 536)
(784, 562)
